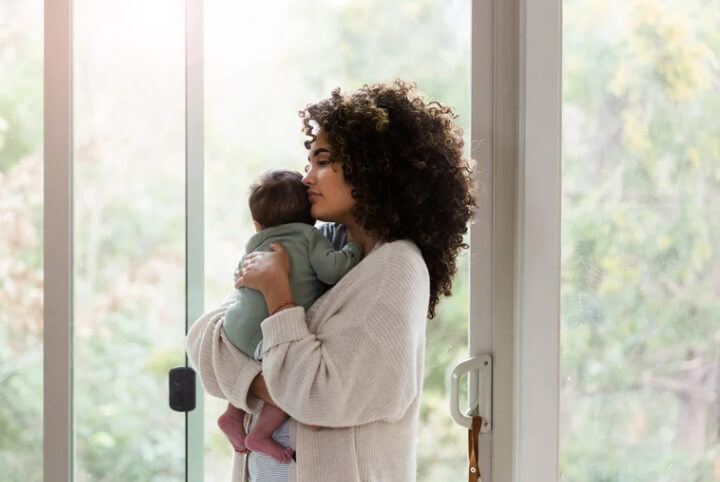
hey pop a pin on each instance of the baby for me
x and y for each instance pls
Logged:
(281, 214)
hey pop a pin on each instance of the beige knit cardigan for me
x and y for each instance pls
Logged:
(353, 365)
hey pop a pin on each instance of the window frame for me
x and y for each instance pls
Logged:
(538, 242)
(515, 241)
(58, 446)
(515, 258)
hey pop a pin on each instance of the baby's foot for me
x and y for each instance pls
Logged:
(235, 432)
(269, 447)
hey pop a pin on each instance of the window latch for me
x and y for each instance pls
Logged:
(182, 389)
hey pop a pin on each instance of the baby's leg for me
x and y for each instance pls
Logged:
(231, 423)
(260, 438)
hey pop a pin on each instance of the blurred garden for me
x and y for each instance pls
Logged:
(640, 361)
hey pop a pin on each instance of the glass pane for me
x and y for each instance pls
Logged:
(129, 209)
(265, 62)
(640, 235)
(21, 248)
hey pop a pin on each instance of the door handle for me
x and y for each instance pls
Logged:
(481, 400)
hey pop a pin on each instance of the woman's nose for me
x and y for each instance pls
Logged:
(306, 178)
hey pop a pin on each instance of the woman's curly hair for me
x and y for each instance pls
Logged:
(403, 157)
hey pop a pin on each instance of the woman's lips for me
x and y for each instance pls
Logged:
(312, 196)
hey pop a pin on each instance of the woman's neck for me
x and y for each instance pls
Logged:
(357, 234)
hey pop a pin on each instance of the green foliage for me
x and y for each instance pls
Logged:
(21, 418)
(21, 82)
(639, 281)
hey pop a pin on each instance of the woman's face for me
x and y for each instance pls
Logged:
(329, 194)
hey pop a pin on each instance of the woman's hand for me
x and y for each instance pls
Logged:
(263, 269)
(269, 273)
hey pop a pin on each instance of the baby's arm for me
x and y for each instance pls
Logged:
(331, 265)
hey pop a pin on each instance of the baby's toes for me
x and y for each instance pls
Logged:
(287, 454)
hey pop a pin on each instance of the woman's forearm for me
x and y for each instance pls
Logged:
(258, 389)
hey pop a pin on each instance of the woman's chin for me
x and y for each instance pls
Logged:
(324, 219)
(331, 216)
(318, 214)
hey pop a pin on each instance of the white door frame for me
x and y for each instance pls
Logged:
(494, 148)
(515, 240)
(538, 242)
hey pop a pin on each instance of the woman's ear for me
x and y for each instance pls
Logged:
(258, 226)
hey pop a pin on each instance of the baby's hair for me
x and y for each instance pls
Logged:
(279, 197)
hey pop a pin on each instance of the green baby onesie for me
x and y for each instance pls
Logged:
(314, 265)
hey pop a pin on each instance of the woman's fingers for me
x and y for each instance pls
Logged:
(262, 269)
(248, 261)
(277, 247)
(282, 257)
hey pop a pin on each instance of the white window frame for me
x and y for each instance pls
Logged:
(538, 242)
(58, 447)
(58, 415)
(194, 218)
(515, 241)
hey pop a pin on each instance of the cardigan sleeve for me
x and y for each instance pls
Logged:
(364, 365)
(225, 371)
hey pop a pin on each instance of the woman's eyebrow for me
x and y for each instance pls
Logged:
(319, 150)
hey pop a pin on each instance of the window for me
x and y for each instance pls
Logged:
(21, 248)
(640, 266)
(129, 211)
(267, 61)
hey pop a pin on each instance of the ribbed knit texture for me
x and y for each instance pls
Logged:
(353, 364)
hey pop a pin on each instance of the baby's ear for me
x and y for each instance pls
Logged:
(258, 226)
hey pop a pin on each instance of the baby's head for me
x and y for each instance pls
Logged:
(279, 197)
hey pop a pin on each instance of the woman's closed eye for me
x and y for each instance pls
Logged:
(322, 163)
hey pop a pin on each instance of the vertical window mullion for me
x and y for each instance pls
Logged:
(538, 319)
(194, 215)
(481, 231)
(505, 115)
(57, 246)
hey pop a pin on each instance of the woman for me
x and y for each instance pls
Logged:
(387, 167)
